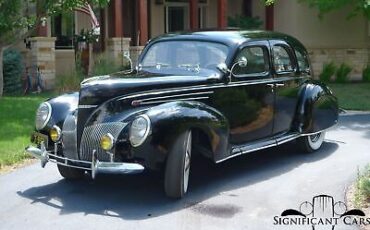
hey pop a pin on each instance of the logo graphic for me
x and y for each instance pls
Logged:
(322, 213)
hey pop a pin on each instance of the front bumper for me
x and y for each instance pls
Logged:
(95, 166)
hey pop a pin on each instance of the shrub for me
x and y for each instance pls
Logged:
(362, 193)
(341, 76)
(328, 71)
(366, 74)
(69, 82)
(244, 23)
(103, 66)
(12, 72)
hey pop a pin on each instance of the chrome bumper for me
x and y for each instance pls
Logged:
(95, 166)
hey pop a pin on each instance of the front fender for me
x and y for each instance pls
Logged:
(61, 106)
(171, 119)
(317, 108)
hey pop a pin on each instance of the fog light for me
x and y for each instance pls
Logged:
(107, 142)
(55, 133)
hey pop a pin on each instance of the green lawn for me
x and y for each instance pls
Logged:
(352, 96)
(17, 115)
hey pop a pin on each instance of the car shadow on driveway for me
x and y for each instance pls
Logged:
(136, 197)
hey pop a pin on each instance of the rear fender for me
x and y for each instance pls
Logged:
(317, 109)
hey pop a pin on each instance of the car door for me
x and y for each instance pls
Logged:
(247, 101)
(286, 86)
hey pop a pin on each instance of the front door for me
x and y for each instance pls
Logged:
(248, 100)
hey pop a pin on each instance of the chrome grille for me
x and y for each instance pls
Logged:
(91, 139)
(69, 135)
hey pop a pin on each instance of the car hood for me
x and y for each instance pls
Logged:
(97, 90)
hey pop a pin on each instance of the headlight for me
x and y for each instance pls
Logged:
(55, 133)
(107, 142)
(139, 130)
(43, 114)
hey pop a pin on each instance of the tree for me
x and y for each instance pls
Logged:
(16, 24)
(325, 6)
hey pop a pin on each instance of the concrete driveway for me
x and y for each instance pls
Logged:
(242, 193)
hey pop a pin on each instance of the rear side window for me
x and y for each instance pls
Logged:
(302, 60)
(282, 60)
(257, 61)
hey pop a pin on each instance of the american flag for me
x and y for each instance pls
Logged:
(86, 9)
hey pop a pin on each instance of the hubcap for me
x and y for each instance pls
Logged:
(187, 161)
(315, 137)
(315, 140)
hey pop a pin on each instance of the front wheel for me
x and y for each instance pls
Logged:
(312, 142)
(178, 166)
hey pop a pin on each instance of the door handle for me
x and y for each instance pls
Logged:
(280, 84)
(271, 85)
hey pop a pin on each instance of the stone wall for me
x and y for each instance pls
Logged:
(356, 58)
(43, 56)
(65, 62)
(116, 47)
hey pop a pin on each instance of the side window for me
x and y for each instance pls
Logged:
(257, 61)
(282, 61)
(302, 61)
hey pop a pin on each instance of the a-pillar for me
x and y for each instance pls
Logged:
(222, 14)
(117, 45)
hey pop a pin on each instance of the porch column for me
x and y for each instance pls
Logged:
(116, 11)
(193, 14)
(41, 27)
(222, 13)
(269, 17)
(143, 21)
(117, 45)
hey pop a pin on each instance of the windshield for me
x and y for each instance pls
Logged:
(179, 57)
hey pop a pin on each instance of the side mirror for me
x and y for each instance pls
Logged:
(243, 62)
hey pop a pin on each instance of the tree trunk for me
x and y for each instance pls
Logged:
(1, 71)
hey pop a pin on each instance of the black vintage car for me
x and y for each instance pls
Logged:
(220, 94)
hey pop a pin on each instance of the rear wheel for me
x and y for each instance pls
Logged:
(70, 173)
(178, 166)
(312, 142)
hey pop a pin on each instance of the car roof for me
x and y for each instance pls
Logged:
(230, 37)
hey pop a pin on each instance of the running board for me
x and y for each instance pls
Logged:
(259, 145)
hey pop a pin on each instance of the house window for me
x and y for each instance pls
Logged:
(177, 15)
(62, 27)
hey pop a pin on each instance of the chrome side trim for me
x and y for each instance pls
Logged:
(179, 99)
(87, 106)
(209, 87)
(177, 95)
(287, 138)
(238, 151)
(324, 130)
